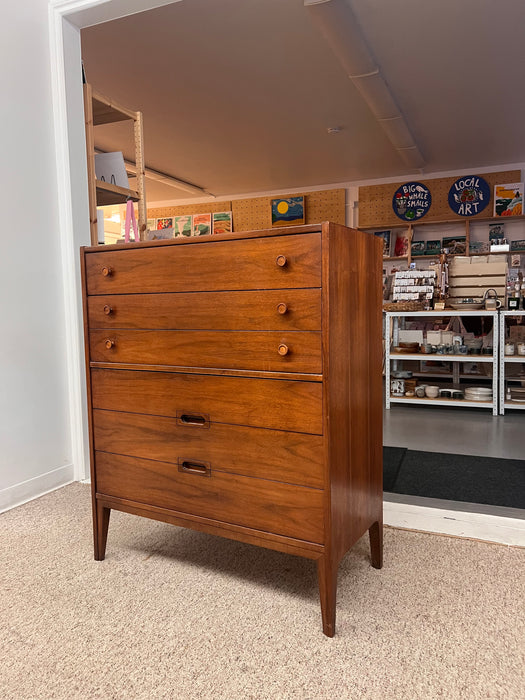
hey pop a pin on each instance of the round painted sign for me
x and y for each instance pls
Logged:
(469, 195)
(411, 201)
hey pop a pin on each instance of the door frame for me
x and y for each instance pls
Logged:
(65, 20)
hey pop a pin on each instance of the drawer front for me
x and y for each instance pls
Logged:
(287, 309)
(284, 509)
(293, 458)
(268, 351)
(265, 403)
(211, 266)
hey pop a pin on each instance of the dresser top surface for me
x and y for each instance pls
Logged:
(191, 240)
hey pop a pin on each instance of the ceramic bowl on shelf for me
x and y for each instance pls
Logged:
(432, 392)
(467, 306)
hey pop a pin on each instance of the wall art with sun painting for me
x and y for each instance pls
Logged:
(288, 211)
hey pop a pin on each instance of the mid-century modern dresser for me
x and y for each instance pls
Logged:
(234, 387)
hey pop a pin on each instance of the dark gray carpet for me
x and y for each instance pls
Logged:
(486, 480)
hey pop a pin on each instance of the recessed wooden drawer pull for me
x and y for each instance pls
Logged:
(190, 467)
(189, 419)
(283, 349)
(109, 343)
(282, 308)
(281, 260)
(107, 271)
(108, 309)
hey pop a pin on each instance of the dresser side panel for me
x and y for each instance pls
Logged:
(353, 382)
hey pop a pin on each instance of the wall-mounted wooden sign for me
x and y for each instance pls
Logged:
(469, 195)
(411, 201)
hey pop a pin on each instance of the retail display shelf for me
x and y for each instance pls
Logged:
(514, 358)
(441, 402)
(514, 404)
(395, 322)
(442, 358)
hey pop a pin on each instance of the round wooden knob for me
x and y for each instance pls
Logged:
(281, 260)
(282, 308)
(283, 349)
(108, 309)
(107, 271)
(109, 343)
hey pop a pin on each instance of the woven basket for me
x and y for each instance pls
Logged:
(404, 306)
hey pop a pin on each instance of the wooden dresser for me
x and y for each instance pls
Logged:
(234, 387)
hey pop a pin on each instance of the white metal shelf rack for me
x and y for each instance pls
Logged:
(392, 326)
(505, 360)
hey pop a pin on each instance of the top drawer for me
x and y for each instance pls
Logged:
(278, 262)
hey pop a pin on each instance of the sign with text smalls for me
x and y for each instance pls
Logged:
(411, 201)
(469, 195)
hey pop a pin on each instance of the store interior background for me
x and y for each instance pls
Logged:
(237, 99)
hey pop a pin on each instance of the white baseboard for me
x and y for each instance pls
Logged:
(33, 488)
(477, 526)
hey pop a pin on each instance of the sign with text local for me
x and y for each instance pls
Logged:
(469, 195)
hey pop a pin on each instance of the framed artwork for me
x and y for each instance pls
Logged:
(201, 224)
(456, 245)
(222, 222)
(287, 211)
(418, 247)
(385, 235)
(517, 245)
(496, 231)
(508, 199)
(401, 244)
(411, 201)
(469, 195)
(151, 224)
(166, 222)
(183, 225)
(433, 247)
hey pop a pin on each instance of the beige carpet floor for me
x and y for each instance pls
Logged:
(176, 614)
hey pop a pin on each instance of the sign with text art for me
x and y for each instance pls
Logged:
(411, 201)
(469, 195)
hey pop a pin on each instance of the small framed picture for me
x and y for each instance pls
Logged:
(201, 224)
(222, 222)
(433, 247)
(165, 222)
(456, 245)
(385, 235)
(508, 199)
(287, 211)
(418, 247)
(182, 225)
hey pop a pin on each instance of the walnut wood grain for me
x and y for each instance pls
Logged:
(261, 403)
(242, 264)
(227, 349)
(287, 458)
(294, 458)
(284, 509)
(286, 309)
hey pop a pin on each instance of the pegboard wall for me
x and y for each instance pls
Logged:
(375, 201)
(255, 214)
(207, 208)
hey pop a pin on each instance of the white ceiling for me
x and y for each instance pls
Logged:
(237, 95)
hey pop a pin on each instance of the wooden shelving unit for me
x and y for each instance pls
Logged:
(410, 227)
(100, 110)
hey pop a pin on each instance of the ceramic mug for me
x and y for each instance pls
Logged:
(420, 391)
(509, 349)
(432, 392)
(521, 348)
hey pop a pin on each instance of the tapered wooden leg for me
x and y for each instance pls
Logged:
(327, 575)
(100, 530)
(376, 544)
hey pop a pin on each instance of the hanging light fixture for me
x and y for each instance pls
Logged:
(337, 23)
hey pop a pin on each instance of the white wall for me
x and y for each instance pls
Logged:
(35, 449)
